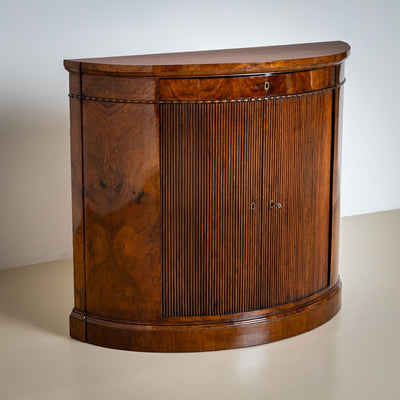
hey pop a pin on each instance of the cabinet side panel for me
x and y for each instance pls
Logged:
(211, 173)
(77, 192)
(297, 167)
(336, 171)
(122, 210)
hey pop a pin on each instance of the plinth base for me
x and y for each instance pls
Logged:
(247, 329)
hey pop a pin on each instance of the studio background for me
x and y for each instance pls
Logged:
(35, 201)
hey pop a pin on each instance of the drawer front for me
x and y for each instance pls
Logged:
(246, 87)
(111, 87)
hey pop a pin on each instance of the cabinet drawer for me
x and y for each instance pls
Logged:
(246, 87)
(115, 87)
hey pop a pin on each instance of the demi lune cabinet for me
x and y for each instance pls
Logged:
(205, 191)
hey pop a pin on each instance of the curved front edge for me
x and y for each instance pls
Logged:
(206, 337)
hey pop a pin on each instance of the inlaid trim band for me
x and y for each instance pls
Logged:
(242, 100)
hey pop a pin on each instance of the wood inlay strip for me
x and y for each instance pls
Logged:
(241, 100)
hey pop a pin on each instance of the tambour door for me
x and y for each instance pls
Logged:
(211, 194)
(296, 192)
(245, 201)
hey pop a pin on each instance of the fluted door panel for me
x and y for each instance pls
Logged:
(211, 172)
(296, 174)
(220, 256)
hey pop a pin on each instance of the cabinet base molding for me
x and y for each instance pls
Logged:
(302, 316)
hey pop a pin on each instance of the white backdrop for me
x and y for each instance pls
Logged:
(35, 212)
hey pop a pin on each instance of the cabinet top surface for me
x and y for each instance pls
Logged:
(217, 62)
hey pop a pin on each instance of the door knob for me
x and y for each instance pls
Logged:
(276, 204)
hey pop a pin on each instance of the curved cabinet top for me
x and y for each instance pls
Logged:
(252, 60)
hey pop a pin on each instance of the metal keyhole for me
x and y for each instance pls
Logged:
(276, 204)
(252, 205)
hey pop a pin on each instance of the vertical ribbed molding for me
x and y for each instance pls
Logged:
(212, 168)
(296, 173)
(219, 256)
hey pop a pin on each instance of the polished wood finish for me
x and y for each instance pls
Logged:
(246, 87)
(251, 60)
(119, 87)
(266, 328)
(336, 168)
(122, 211)
(174, 165)
(217, 159)
(77, 193)
(296, 173)
(77, 324)
(211, 172)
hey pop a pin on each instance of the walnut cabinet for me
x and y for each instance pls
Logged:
(205, 191)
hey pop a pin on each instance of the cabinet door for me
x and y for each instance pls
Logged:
(296, 174)
(211, 174)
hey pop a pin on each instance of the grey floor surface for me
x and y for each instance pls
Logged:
(356, 355)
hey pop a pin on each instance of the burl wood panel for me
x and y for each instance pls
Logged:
(122, 211)
(246, 87)
(296, 173)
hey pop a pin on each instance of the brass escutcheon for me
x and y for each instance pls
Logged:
(266, 85)
(252, 205)
(276, 204)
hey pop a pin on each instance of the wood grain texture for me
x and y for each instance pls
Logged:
(218, 62)
(336, 174)
(216, 336)
(77, 325)
(77, 194)
(246, 87)
(174, 165)
(296, 173)
(119, 87)
(122, 211)
(220, 256)
(211, 172)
